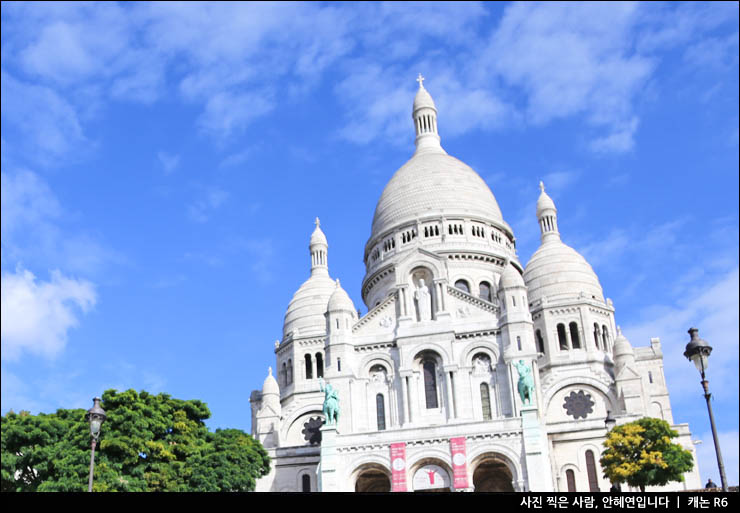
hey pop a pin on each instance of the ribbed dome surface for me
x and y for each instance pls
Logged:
(306, 309)
(557, 270)
(429, 183)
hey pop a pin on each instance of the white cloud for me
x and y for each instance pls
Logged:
(48, 124)
(169, 162)
(541, 62)
(201, 210)
(32, 233)
(573, 59)
(713, 308)
(620, 141)
(36, 315)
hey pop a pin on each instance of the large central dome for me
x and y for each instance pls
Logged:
(433, 183)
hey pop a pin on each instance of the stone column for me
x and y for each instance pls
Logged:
(536, 451)
(405, 398)
(413, 397)
(328, 466)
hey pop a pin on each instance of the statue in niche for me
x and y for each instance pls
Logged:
(379, 374)
(423, 301)
(482, 365)
(526, 382)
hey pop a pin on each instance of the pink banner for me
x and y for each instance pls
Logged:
(398, 467)
(459, 462)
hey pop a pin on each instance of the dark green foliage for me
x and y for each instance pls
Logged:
(148, 443)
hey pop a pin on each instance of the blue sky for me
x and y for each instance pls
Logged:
(162, 165)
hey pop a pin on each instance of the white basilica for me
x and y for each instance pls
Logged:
(428, 378)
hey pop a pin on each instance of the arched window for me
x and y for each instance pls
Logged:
(319, 365)
(575, 340)
(380, 408)
(290, 371)
(462, 285)
(485, 400)
(605, 337)
(309, 369)
(596, 335)
(519, 343)
(306, 483)
(562, 338)
(284, 374)
(540, 342)
(484, 291)
(430, 384)
(593, 479)
(570, 476)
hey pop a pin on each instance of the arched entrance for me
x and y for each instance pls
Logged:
(373, 479)
(431, 475)
(492, 475)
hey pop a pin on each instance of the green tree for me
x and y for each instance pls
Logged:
(148, 443)
(641, 454)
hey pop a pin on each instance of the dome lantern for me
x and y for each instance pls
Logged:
(318, 247)
(424, 114)
(547, 215)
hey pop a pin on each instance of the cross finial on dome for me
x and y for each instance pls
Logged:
(317, 222)
(420, 79)
(619, 331)
(542, 186)
(269, 371)
(338, 285)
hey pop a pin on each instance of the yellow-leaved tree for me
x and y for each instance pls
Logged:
(641, 454)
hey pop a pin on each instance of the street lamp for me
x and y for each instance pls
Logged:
(610, 422)
(698, 351)
(95, 416)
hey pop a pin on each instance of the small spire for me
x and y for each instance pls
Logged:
(338, 285)
(318, 223)
(619, 331)
(420, 79)
(542, 188)
(269, 371)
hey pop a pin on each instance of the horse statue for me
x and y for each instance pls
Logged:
(331, 402)
(526, 382)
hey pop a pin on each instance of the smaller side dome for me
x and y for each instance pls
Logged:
(622, 349)
(270, 386)
(510, 278)
(340, 300)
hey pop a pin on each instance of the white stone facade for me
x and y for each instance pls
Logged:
(451, 310)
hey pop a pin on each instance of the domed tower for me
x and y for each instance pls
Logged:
(437, 228)
(266, 412)
(572, 321)
(300, 354)
(341, 315)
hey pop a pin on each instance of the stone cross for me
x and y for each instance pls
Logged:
(542, 188)
(420, 80)
(317, 223)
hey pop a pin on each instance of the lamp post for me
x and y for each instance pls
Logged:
(610, 422)
(698, 351)
(95, 416)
